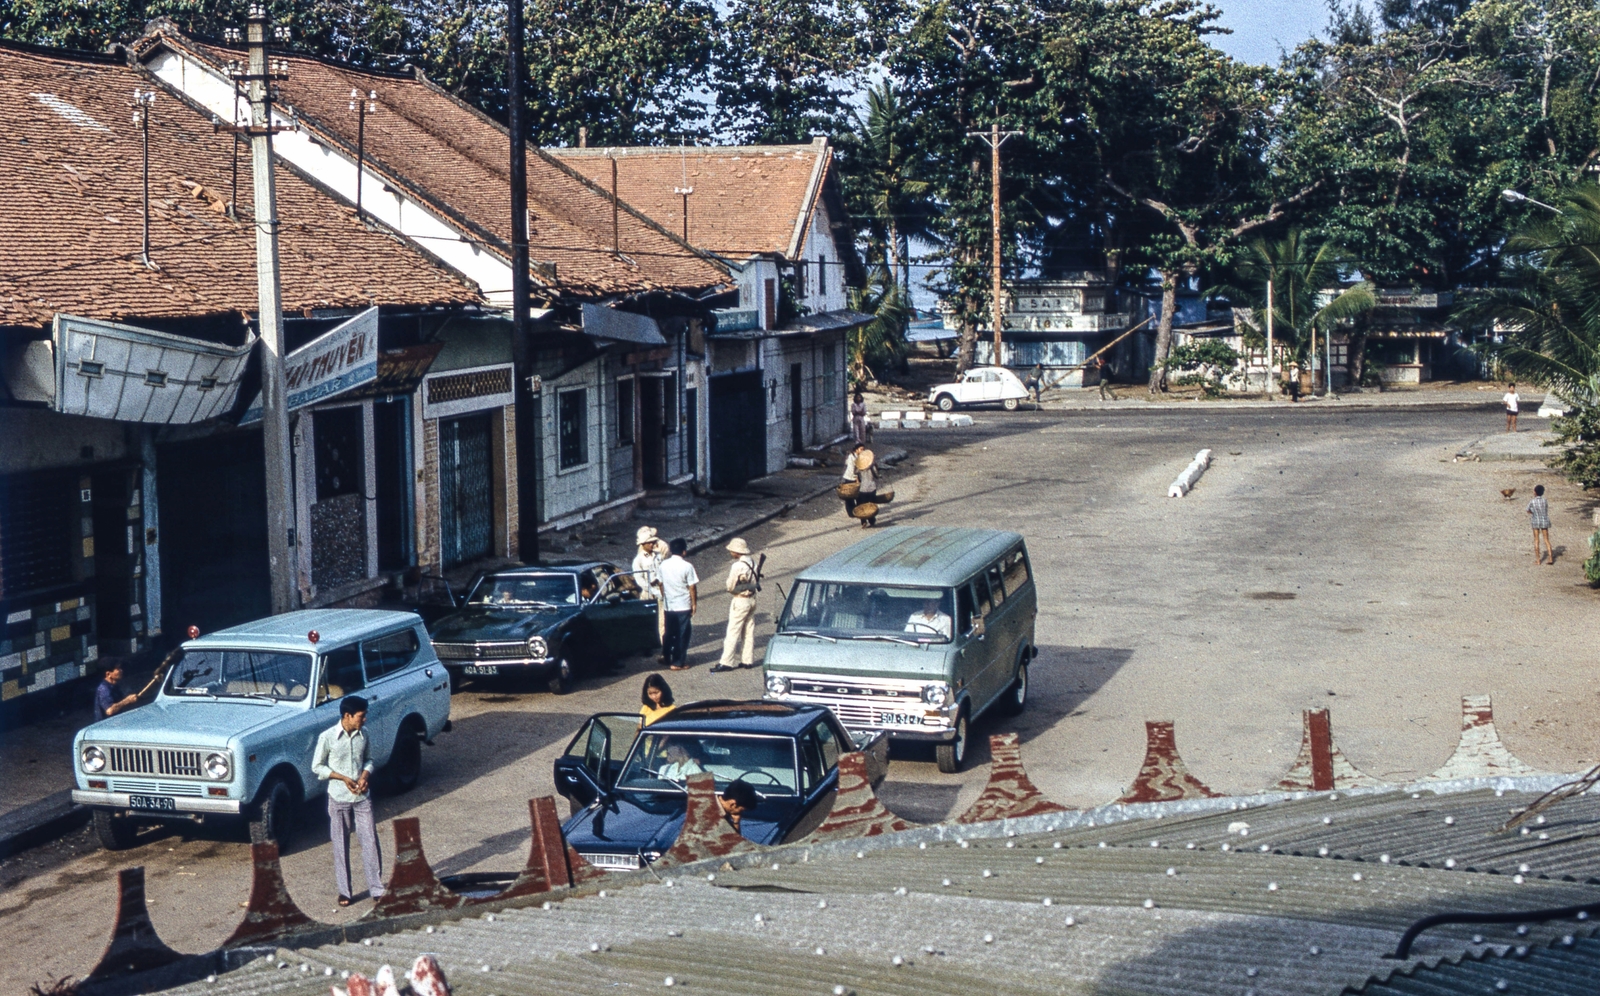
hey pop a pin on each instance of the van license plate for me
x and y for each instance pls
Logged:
(162, 802)
(898, 719)
(482, 669)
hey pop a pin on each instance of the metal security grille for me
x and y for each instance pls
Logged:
(480, 651)
(460, 387)
(466, 503)
(38, 530)
(155, 761)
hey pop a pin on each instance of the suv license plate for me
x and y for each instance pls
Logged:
(163, 802)
(898, 719)
(483, 669)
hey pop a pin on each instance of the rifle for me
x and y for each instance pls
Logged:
(761, 565)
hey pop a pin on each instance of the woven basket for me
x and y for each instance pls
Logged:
(849, 489)
(865, 510)
(884, 496)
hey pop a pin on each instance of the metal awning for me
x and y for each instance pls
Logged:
(622, 326)
(129, 374)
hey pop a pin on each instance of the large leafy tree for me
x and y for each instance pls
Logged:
(785, 68)
(884, 183)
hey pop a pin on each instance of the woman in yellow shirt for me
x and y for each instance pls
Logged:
(656, 698)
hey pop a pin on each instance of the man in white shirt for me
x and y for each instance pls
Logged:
(343, 758)
(647, 571)
(1512, 403)
(931, 621)
(680, 598)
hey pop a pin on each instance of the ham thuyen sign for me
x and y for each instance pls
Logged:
(337, 361)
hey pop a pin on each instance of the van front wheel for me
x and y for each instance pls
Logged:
(1016, 698)
(951, 756)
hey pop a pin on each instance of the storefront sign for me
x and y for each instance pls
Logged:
(331, 364)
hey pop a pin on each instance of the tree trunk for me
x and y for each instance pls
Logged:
(1357, 358)
(967, 343)
(1169, 308)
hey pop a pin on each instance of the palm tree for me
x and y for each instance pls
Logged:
(881, 342)
(883, 179)
(1547, 314)
(1303, 272)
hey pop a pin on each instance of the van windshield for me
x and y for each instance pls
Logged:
(868, 612)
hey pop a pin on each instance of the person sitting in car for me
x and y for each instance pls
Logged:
(931, 621)
(680, 765)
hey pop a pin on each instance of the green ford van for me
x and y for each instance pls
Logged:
(915, 631)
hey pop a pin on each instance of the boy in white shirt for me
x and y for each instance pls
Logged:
(679, 598)
(1511, 401)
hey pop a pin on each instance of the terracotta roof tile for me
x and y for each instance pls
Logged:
(458, 159)
(746, 199)
(71, 208)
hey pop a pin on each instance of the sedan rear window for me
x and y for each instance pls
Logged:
(246, 674)
(664, 761)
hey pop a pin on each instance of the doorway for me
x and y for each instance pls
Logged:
(652, 431)
(691, 442)
(339, 512)
(738, 428)
(466, 489)
(797, 411)
(392, 459)
(118, 559)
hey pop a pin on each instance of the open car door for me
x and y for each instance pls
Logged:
(592, 761)
(623, 622)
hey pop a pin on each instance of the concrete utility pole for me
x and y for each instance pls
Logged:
(528, 403)
(259, 78)
(996, 138)
(1272, 380)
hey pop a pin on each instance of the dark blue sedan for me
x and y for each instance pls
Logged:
(627, 788)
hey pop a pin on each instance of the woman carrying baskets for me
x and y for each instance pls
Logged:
(860, 487)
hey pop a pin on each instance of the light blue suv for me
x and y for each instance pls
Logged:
(233, 727)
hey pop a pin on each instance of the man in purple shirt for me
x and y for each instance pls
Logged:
(107, 701)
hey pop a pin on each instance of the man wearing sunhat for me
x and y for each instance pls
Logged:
(859, 467)
(741, 608)
(647, 571)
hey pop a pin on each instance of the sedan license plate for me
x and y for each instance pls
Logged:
(161, 802)
(898, 719)
(481, 669)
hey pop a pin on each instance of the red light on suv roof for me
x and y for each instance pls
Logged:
(313, 636)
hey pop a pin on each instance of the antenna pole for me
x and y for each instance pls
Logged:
(143, 100)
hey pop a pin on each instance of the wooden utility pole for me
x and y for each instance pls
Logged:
(996, 138)
(528, 404)
(259, 78)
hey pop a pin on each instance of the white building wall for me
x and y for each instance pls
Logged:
(825, 286)
(569, 490)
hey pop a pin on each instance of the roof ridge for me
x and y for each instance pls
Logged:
(63, 54)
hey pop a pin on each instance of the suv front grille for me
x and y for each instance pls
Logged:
(156, 761)
(481, 651)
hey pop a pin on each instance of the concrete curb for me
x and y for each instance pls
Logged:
(757, 520)
(39, 823)
(1346, 408)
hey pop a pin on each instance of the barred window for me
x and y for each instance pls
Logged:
(573, 430)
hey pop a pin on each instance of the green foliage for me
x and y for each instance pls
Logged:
(1206, 363)
(1578, 435)
(1591, 567)
(880, 344)
(1302, 271)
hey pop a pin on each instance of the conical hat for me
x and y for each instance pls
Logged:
(864, 459)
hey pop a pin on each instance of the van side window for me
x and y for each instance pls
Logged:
(980, 585)
(391, 653)
(964, 610)
(997, 588)
(341, 674)
(1015, 568)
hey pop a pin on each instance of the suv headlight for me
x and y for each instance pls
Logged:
(537, 647)
(94, 759)
(777, 685)
(219, 766)
(936, 694)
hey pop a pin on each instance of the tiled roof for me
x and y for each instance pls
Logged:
(746, 199)
(71, 207)
(457, 159)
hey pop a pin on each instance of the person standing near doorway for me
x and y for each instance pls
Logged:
(741, 609)
(680, 598)
(1539, 512)
(1513, 402)
(343, 759)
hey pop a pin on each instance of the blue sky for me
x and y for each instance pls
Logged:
(1261, 28)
